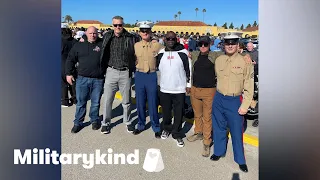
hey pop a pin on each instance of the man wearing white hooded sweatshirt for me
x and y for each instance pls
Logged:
(175, 74)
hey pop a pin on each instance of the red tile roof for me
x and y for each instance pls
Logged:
(250, 29)
(88, 22)
(180, 23)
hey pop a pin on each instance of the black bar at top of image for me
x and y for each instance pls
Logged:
(30, 92)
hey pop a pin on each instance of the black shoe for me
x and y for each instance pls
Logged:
(211, 144)
(105, 129)
(157, 135)
(243, 167)
(180, 142)
(73, 101)
(65, 104)
(137, 131)
(76, 129)
(95, 126)
(165, 134)
(255, 123)
(215, 158)
(130, 128)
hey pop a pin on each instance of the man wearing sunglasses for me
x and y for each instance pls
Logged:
(118, 62)
(202, 92)
(175, 74)
(146, 86)
(234, 78)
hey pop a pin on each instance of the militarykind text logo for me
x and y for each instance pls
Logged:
(153, 160)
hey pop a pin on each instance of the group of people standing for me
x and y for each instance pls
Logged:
(215, 81)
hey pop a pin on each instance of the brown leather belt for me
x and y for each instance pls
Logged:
(230, 94)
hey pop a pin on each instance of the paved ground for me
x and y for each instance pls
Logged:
(180, 163)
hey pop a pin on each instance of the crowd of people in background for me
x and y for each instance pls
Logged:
(189, 41)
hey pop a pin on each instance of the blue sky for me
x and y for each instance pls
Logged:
(219, 11)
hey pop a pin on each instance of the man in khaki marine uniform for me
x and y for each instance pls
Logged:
(234, 77)
(203, 90)
(146, 79)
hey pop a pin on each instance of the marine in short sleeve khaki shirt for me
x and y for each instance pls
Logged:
(234, 77)
(146, 53)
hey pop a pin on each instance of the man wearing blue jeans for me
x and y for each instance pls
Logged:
(90, 80)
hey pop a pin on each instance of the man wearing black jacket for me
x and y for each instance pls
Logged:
(90, 80)
(254, 54)
(118, 62)
(66, 44)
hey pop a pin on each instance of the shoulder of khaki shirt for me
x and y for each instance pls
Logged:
(247, 65)
(158, 47)
(194, 54)
(137, 44)
(221, 59)
(222, 56)
(218, 53)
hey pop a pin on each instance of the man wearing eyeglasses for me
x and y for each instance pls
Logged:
(175, 74)
(118, 61)
(146, 86)
(234, 78)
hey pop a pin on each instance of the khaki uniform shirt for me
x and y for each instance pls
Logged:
(235, 76)
(146, 53)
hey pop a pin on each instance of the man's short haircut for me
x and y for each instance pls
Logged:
(171, 32)
(118, 17)
(249, 43)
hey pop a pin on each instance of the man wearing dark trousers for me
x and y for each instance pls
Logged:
(255, 58)
(90, 80)
(67, 43)
(146, 79)
(175, 74)
(234, 78)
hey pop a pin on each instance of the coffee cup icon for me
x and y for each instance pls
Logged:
(153, 161)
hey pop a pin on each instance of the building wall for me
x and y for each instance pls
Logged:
(252, 33)
(85, 25)
(201, 29)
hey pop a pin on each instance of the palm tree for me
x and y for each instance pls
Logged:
(196, 12)
(203, 11)
(68, 19)
(175, 17)
(179, 13)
